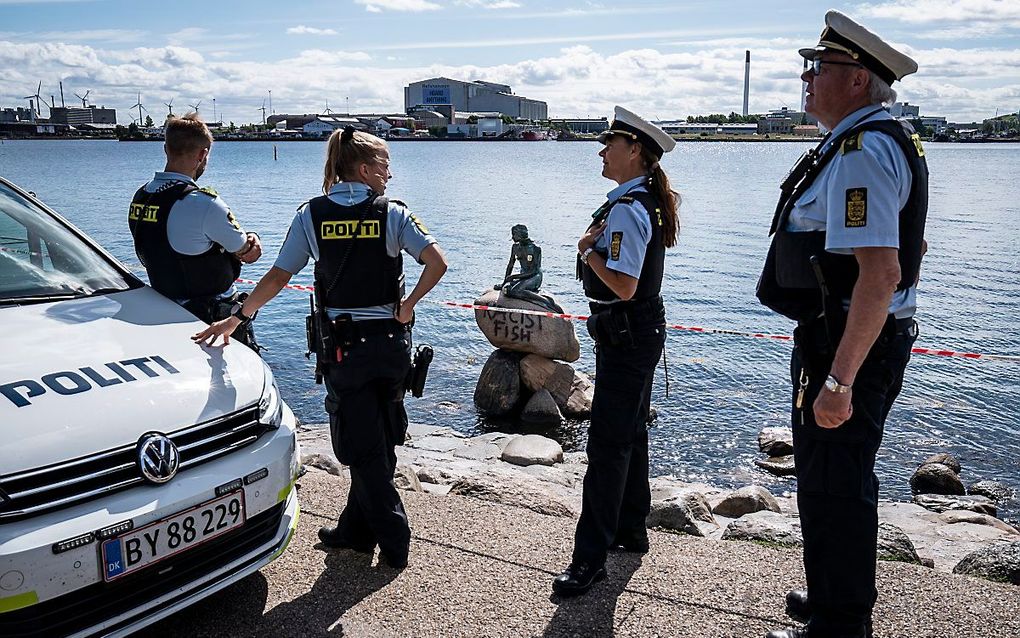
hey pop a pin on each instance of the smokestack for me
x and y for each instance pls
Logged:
(747, 78)
(803, 89)
(62, 105)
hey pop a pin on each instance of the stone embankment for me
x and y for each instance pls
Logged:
(946, 532)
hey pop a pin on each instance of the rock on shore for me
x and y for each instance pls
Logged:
(546, 336)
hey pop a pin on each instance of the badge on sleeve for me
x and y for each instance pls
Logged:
(856, 207)
(232, 219)
(422, 228)
(614, 246)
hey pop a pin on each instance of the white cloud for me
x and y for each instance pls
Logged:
(488, 4)
(942, 11)
(303, 30)
(377, 6)
(663, 82)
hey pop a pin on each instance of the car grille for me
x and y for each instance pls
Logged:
(40, 490)
(95, 604)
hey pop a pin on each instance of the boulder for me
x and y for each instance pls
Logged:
(572, 390)
(541, 408)
(746, 500)
(1000, 562)
(936, 478)
(941, 503)
(766, 527)
(404, 478)
(895, 545)
(547, 336)
(499, 384)
(778, 465)
(522, 491)
(994, 490)
(948, 460)
(776, 441)
(532, 449)
(687, 512)
(324, 462)
(479, 451)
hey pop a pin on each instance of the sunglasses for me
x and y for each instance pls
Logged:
(816, 65)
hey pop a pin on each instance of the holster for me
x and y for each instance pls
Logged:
(419, 370)
(610, 328)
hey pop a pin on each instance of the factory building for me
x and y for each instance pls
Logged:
(477, 96)
(74, 115)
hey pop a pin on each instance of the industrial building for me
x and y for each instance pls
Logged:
(581, 125)
(74, 115)
(477, 96)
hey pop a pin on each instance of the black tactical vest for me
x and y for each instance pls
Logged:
(789, 283)
(171, 273)
(353, 269)
(650, 280)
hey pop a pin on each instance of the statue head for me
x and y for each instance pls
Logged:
(519, 232)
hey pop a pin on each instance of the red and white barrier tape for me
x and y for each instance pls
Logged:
(675, 326)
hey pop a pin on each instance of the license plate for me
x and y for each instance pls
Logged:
(148, 545)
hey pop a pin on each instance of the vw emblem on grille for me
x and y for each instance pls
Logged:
(158, 457)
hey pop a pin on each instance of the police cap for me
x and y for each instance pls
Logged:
(638, 129)
(842, 34)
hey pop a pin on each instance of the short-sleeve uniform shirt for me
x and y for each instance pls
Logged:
(858, 197)
(628, 230)
(404, 232)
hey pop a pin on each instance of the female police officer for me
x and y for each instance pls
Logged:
(620, 263)
(356, 237)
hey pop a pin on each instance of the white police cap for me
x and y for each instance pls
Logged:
(842, 34)
(638, 129)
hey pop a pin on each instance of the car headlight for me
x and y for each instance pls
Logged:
(270, 405)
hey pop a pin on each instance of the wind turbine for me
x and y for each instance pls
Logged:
(196, 105)
(170, 107)
(263, 109)
(328, 110)
(140, 108)
(83, 98)
(33, 109)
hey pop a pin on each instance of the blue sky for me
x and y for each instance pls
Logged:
(663, 59)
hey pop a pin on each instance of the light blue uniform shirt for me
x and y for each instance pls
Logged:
(198, 222)
(404, 232)
(627, 226)
(880, 167)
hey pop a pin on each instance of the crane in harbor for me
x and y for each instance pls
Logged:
(84, 98)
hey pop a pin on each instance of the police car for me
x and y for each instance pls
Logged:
(139, 472)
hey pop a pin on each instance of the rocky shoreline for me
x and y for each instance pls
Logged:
(950, 533)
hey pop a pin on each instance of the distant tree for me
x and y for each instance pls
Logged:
(506, 119)
(148, 121)
(987, 128)
(232, 127)
(437, 131)
(733, 118)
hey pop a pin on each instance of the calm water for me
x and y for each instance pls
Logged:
(724, 389)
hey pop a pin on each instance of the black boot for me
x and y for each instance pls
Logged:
(788, 633)
(331, 537)
(578, 578)
(632, 544)
(799, 608)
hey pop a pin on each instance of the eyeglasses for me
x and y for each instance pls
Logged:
(816, 65)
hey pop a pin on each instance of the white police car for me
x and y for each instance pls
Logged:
(139, 472)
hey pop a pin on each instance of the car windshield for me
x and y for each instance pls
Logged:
(40, 259)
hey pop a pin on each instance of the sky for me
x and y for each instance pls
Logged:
(660, 58)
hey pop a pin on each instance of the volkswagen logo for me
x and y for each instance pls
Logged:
(158, 457)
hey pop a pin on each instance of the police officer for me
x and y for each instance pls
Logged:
(844, 262)
(186, 237)
(355, 236)
(620, 262)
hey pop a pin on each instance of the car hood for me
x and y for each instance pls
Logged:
(86, 375)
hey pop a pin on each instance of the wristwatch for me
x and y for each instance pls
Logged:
(238, 312)
(833, 385)
(587, 253)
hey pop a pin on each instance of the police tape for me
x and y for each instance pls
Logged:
(941, 352)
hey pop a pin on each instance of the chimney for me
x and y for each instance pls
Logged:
(803, 89)
(747, 78)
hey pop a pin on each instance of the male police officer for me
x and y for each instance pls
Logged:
(844, 261)
(186, 236)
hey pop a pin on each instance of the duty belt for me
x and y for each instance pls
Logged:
(374, 327)
(636, 308)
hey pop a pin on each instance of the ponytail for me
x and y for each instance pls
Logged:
(669, 200)
(346, 149)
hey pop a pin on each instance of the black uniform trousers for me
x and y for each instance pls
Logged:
(365, 402)
(837, 490)
(616, 496)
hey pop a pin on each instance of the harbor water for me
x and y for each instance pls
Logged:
(723, 389)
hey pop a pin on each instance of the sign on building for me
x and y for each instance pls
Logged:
(436, 94)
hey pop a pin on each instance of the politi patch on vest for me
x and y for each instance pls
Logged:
(856, 207)
(853, 143)
(139, 212)
(614, 245)
(348, 229)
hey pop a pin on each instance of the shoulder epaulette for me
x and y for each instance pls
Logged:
(626, 199)
(209, 190)
(853, 143)
(399, 203)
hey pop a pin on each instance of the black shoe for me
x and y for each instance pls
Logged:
(578, 578)
(788, 633)
(330, 537)
(797, 606)
(631, 545)
(394, 562)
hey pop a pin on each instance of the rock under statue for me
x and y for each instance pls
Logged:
(525, 284)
